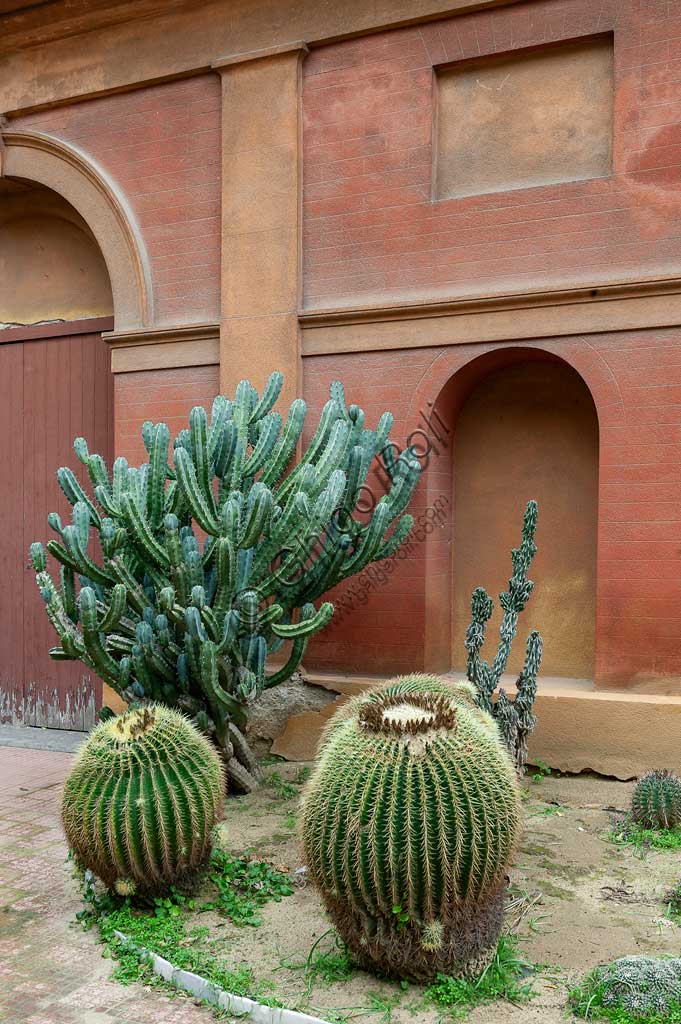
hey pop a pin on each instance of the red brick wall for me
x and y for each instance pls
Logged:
(635, 380)
(166, 395)
(161, 145)
(372, 232)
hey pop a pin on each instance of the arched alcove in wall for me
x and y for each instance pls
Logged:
(51, 267)
(525, 426)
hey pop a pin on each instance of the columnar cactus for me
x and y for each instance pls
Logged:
(142, 799)
(516, 717)
(165, 617)
(656, 801)
(409, 820)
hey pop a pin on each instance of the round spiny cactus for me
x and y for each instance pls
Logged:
(409, 820)
(640, 985)
(656, 802)
(142, 798)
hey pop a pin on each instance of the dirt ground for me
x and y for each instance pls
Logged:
(577, 900)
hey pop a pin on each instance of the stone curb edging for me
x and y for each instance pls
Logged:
(212, 993)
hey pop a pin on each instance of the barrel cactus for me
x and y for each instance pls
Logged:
(637, 986)
(409, 821)
(656, 802)
(142, 798)
(209, 557)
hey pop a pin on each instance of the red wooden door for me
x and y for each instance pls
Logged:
(54, 389)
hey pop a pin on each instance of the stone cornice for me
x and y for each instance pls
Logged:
(162, 335)
(164, 348)
(584, 309)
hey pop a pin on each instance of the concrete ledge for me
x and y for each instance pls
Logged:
(579, 728)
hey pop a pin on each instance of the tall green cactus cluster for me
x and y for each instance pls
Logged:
(409, 820)
(142, 798)
(656, 801)
(515, 718)
(165, 616)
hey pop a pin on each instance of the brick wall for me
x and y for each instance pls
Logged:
(166, 395)
(635, 381)
(372, 232)
(161, 145)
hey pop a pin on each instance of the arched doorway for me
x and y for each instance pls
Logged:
(529, 429)
(55, 299)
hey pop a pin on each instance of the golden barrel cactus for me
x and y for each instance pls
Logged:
(409, 820)
(141, 800)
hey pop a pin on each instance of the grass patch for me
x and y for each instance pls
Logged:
(164, 925)
(327, 962)
(505, 978)
(242, 886)
(587, 1001)
(283, 790)
(628, 833)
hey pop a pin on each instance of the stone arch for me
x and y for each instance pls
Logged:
(451, 379)
(45, 160)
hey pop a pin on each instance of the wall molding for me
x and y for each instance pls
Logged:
(617, 306)
(164, 348)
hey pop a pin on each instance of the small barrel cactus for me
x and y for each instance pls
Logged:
(640, 985)
(141, 800)
(409, 820)
(656, 802)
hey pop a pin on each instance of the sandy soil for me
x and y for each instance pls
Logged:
(577, 901)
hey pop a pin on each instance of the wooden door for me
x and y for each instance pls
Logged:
(54, 389)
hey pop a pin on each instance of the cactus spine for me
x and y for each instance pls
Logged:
(142, 798)
(163, 617)
(516, 717)
(409, 820)
(656, 801)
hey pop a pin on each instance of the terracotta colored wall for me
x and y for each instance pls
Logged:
(635, 381)
(166, 395)
(161, 145)
(529, 431)
(50, 265)
(372, 232)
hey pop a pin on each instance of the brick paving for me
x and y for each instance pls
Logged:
(51, 971)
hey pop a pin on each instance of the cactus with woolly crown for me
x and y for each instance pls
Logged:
(142, 798)
(409, 821)
(515, 718)
(162, 616)
(656, 801)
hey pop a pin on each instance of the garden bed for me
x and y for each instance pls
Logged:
(578, 899)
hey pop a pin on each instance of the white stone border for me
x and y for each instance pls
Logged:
(212, 993)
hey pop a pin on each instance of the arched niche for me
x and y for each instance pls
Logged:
(529, 430)
(504, 420)
(39, 159)
(51, 267)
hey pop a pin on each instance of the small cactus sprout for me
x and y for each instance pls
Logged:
(656, 802)
(141, 800)
(409, 820)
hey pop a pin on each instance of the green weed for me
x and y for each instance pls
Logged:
(243, 886)
(542, 771)
(502, 979)
(628, 833)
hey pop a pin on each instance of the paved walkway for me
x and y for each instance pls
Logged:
(51, 971)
